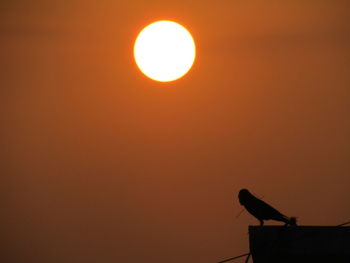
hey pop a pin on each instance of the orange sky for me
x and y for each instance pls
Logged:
(105, 165)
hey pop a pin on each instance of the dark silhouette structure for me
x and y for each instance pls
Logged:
(261, 210)
(302, 244)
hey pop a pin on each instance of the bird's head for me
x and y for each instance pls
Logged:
(242, 195)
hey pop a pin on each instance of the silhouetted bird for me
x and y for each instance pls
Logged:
(261, 210)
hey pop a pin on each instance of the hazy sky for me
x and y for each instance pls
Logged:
(102, 164)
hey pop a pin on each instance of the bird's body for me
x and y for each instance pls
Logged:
(261, 210)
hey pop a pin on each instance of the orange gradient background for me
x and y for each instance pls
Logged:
(101, 165)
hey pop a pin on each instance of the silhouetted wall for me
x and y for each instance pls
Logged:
(299, 244)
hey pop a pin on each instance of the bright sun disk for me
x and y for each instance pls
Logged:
(164, 51)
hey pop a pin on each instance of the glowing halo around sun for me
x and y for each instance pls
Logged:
(164, 51)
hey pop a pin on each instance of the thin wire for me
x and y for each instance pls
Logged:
(240, 212)
(229, 259)
(346, 223)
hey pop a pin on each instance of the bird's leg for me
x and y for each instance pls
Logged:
(261, 222)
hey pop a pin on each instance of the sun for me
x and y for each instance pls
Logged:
(164, 51)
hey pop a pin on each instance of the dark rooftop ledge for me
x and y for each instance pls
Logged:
(284, 244)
